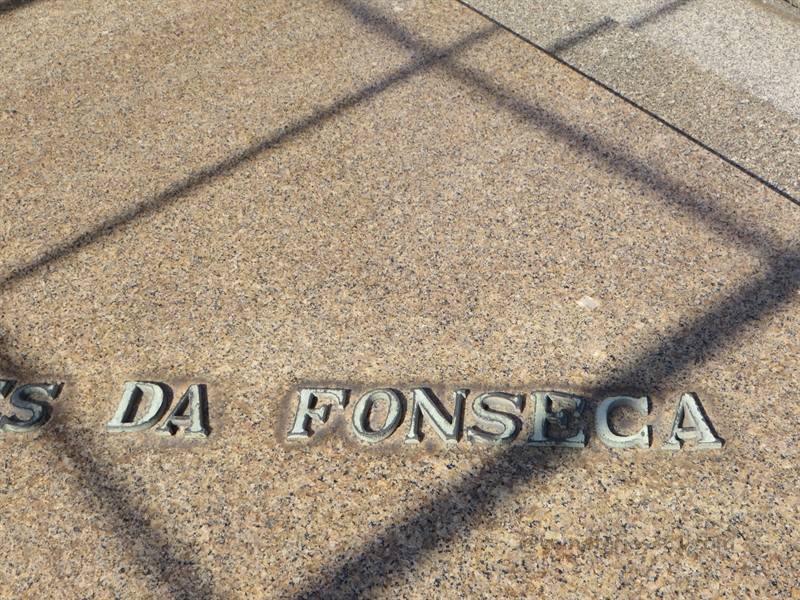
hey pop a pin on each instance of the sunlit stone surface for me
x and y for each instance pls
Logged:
(259, 197)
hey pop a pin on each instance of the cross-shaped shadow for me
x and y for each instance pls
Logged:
(656, 368)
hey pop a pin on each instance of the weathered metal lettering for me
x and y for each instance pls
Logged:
(193, 401)
(133, 393)
(484, 410)
(150, 398)
(700, 428)
(556, 408)
(640, 439)
(30, 398)
(361, 413)
(557, 420)
(307, 409)
(423, 403)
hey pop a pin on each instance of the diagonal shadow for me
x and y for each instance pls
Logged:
(160, 557)
(180, 190)
(659, 13)
(377, 22)
(606, 23)
(7, 6)
(423, 530)
(644, 20)
(584, 34)
(656, 368)
(420, 531)
(671, 190)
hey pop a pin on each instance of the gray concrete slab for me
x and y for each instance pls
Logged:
(755, 49)
(726, 73)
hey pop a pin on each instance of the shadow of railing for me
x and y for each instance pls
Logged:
(655, 369)
(211, 173)
(6, 6)
(100, 488)
(420, 530)
(657, 14)
(164, 560)
(581, 36)
(604, 25)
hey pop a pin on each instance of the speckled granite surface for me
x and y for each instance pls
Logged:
(725, 72)
(263, 195)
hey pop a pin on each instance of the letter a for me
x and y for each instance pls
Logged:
(193, 400)
(700, 428)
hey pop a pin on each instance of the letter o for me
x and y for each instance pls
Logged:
(363, 407)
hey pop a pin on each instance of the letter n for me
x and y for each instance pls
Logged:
(447, 428)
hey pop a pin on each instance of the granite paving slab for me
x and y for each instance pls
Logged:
(239, 208)
(724, 72)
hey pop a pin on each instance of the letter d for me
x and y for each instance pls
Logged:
(129, 405)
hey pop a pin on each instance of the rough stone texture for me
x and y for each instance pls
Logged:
(725, 72)
(261, 195)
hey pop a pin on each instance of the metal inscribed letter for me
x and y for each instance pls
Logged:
(700, 428)
(24, 397)
(361, 412)
(132, 394)
(484, 409)
(447, 429)
(193, 400)
(640, 439)
(542, 415)
(307, 409)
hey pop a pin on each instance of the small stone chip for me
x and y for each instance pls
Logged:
(588, 303)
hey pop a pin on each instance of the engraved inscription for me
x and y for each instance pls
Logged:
(133, 394)
(558, 419)
(363, 408)
(150, 399)
(699, 428)
(556, 408)
(424, 403)
(33, 398)
(307, 409)
(640, 439)
(484, 409)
